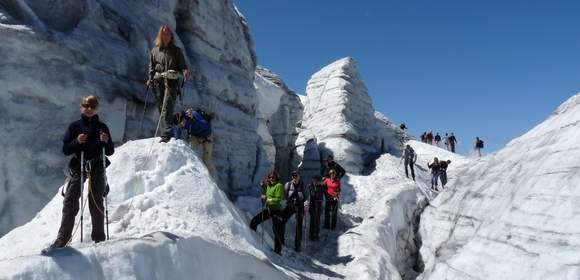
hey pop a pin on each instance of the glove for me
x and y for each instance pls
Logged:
(306, 204)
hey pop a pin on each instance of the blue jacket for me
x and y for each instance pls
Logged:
(198, 126)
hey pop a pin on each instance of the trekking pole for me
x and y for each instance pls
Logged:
(144, 108)
(107, 196)
(82, 189)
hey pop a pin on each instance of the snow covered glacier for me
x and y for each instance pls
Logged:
(339, 115)
(58, 51)
(513, 214)
(169, 220)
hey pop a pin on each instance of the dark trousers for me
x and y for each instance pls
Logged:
(95, 202)
(278, 226)
(167, 115)
(411, 166)
(288, 213)
(315, 212)
(330, 213)
(452, 147)
(443, 176)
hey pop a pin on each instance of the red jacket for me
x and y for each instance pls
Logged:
(332, 187)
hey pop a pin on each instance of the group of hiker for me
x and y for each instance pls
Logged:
(90, 141)
(438, 168)
(281, 202)
(448, 140)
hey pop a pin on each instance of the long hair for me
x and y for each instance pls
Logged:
(158, 41)
(274, 174)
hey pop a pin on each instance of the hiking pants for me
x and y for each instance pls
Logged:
(452, 147)
(207, 145)
(96, 188)
(278, 226)
(299, 211)
(315, 211)
(166, 116)
(443, 178)
(411, 165)
(330, 213)
(435, 178)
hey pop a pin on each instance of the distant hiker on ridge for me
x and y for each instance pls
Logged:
(410, 158)
(86, 139)
(478, 145)
(429, 138)
(446, 141)
(452, 141)
(330, 165)
(403, 126)
(166, 62)
(272, 196)
(438, 140)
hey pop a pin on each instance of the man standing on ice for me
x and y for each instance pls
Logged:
(452, 141)
(166, 61)
(85, 138)
(410, 157)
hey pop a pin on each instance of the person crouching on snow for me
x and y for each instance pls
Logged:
(87, 136)
(198, 126)
(273, 195)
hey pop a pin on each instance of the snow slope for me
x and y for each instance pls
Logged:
(168, 219)
(513, 214)
(377, 237)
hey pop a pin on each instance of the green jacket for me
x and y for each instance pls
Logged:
(275, 196)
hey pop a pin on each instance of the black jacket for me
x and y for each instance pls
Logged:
(339, 170)
(93, 146)
(316, 192)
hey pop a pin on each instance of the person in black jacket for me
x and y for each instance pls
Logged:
(330, 165)
(452, 141)
(296, 196)
(87, 136)
(316, 192)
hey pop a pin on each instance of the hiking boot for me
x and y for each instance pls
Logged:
(56, 245)
(164, 140)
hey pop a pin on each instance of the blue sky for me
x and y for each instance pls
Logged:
(489, 68)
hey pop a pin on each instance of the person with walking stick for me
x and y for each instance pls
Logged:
(166, 63)
(85, 139)
(273, 195)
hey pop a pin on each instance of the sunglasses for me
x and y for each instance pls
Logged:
(87, 106)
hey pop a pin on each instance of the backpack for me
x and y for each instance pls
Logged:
(204, 115)
(410, 155)
(479, 144)
(198, 125)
